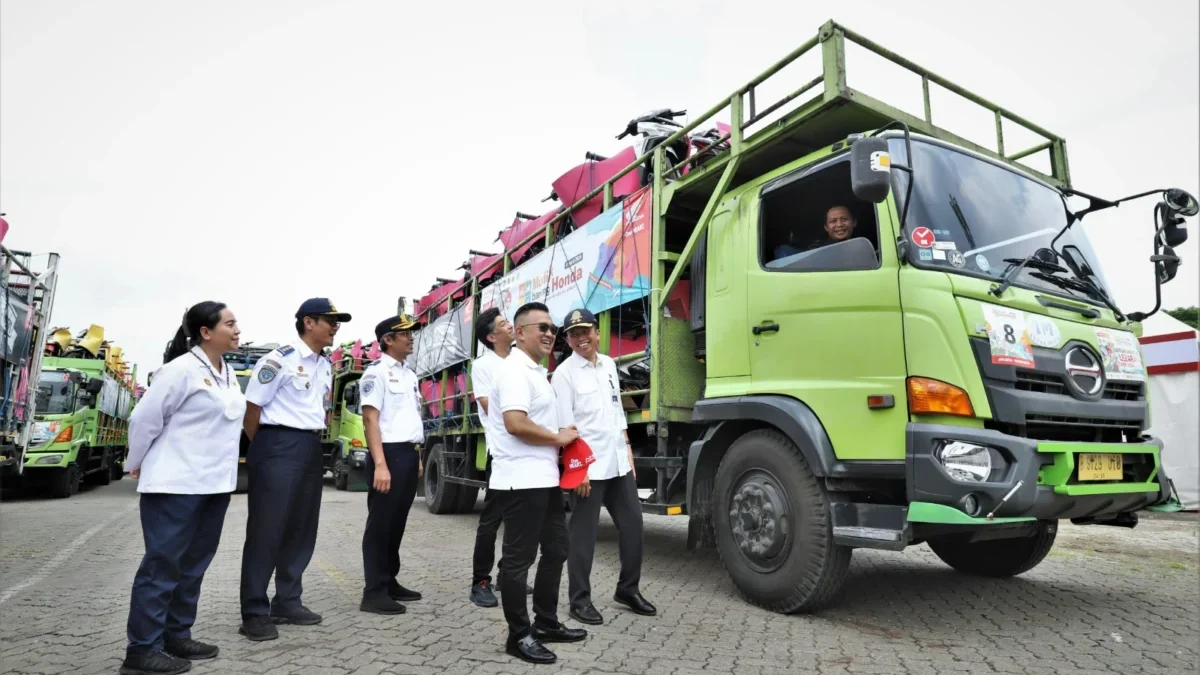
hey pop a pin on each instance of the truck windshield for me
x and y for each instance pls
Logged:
(55, 393)
(970, 216)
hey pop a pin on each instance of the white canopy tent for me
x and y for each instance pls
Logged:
(1172, 354)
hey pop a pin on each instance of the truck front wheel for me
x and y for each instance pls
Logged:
(997, 557)
(65, 481)
(773, 529)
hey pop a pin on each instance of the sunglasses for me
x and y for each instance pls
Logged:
(543, 327)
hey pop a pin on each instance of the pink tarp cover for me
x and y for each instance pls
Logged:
(574, 184)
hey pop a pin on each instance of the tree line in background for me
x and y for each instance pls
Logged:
(1187, 315)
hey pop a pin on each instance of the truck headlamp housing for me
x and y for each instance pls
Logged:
(970, 462)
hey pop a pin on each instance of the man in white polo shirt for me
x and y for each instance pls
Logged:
(525, 476)
(588, 390)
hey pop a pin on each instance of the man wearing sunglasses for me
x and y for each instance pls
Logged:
(525, 477)
(286, 400)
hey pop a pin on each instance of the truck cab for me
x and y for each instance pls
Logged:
(64, 448)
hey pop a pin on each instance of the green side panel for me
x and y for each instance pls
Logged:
(481, 453)
(934, 343)
(679, 372)
(725, 303)
(351, 427)
(926, 512)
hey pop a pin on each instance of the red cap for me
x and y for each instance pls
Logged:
(576, 458)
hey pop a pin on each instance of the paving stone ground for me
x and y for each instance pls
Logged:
(1107, 600)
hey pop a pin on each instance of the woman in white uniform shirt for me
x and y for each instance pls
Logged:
(183, 449)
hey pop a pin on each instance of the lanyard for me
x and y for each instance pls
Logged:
(210, 370)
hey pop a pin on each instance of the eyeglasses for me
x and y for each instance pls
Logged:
(543, 327)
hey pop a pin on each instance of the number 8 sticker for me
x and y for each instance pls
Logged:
(1008, 336)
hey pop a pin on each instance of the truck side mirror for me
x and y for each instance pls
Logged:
(870, 169)
(94, 386)
(1176, 206)
(1166, 264)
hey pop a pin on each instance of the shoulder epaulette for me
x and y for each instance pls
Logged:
(285, 350)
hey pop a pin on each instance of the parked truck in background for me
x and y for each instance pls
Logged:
(954, 373)
(26, 302)
(85, 394)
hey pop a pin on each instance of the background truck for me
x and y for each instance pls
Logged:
(344, 440)
(26, 303)
(85, 395)
(953, 373)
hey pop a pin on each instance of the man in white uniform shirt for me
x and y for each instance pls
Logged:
(588, 391)
(496, 334)
(525, 475)
(286, 400)
(393, 426)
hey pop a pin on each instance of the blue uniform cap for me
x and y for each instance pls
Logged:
(321, 307)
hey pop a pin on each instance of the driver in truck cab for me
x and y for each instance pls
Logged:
(839, 226)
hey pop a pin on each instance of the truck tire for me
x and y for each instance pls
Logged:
(65, 481)
(467, 496)
(773, 526)
(440, 497)
(999, 558)
(116, 470)
(103, 475)
(341, 477)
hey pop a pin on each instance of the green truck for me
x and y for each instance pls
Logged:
(80, 434)
(844, 327)
(344, 440)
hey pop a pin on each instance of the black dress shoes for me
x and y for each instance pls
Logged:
(530, 650)
(402, 594)
(381, 605)
(558, 633)
(586, 614)
(190, 649)
(637, 603)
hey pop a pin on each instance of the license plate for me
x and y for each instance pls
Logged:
(1094, 466)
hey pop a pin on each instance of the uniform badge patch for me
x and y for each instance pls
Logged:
(285, 350)
(207, 383)
(266, 374)
(368, 385)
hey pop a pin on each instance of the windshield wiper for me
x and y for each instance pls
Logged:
(1044, 265)
(962, 220)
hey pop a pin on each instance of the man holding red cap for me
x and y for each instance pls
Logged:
(588, 391)
(526, 478)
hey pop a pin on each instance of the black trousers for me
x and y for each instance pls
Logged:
(181, 534)
(532, 518)
(485, 534)
(285, 469)
(619, 496)
(387, 515)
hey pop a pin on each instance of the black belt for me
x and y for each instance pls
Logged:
(280, 427)
(401, 445)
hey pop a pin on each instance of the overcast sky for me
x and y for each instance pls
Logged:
(259, 153)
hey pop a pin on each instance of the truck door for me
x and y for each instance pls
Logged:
(824, 315)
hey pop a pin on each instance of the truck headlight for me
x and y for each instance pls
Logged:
(966, 462)
(360, 455)
(49, 459)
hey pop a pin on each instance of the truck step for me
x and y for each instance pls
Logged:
(880, 526)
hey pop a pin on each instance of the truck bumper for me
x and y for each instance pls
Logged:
(1030, 479)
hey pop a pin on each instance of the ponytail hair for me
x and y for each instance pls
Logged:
(205, 314)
